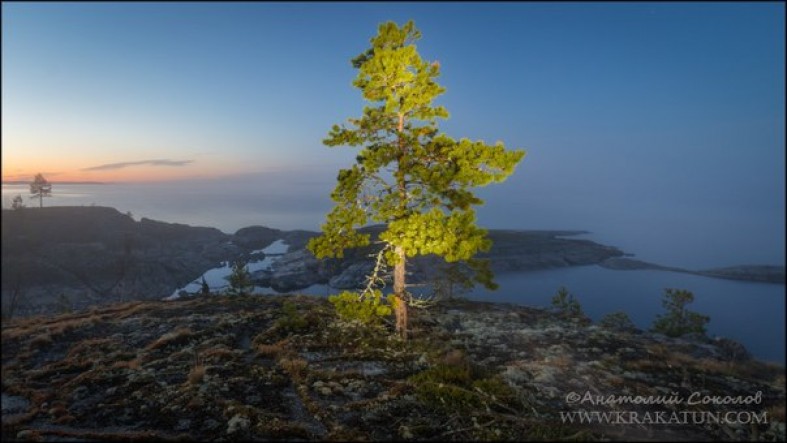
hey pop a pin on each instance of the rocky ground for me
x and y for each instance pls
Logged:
(285, 367)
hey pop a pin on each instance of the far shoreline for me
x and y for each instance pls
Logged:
(20, 182)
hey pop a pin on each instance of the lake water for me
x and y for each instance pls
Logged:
(752, 313)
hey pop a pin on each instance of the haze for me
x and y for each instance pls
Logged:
(658, 126)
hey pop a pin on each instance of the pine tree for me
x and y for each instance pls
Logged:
(408, 175)
(204, 288)
(678, 320)
(240, 279)
(40, 188)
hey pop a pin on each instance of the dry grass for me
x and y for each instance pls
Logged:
(134, 364)
(170, 337)
(57, 410)
(88, 347)
(129, 364)
(455, 357)
(218, 354)
(25, 327)
(196, 374)
(272, 350)
(776, 413)
(41, 340)
(294, 366)
(65, 419)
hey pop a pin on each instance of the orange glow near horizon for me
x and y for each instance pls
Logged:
(73, 170)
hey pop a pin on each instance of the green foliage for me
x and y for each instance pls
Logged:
(240, 279)
(291, 320)
(618, 321)
(452, 388)
(407, 175)
(565, 303)
(678, 320)
(367, 308)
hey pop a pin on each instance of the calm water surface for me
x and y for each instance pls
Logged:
(752, 313)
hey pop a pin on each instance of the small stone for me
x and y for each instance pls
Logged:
(325, 390)
(211, 424)
(405, 432)
(183, 424)
(79, 392)
(25, 434)
(238, 423)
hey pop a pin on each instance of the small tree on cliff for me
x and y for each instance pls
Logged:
(407, 175)
(678, 320)
(240, 279)
(40, 188)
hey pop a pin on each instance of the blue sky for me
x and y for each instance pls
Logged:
(628, 111)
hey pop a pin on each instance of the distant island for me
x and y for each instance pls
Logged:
(754, 273)
(23, 182)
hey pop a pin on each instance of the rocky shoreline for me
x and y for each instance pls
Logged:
(286, 368)
(753, 273)
(61, 259)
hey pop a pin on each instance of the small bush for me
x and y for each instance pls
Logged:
(196, 374)
(294, 366)
(291, 320)
(366, 308)
(271, 350)
(678, 320)
(565, 303)
(453, 389)
(618, 321)
(240, 279)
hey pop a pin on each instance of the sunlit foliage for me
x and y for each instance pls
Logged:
(407, 174)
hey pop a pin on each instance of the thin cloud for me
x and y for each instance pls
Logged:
(121, 165)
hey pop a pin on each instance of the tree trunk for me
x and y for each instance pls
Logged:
(399, 268)
(400, 294)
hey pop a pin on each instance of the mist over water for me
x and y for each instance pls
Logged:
(665, 232)
(659, 230)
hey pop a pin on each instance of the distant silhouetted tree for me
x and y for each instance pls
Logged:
(40, 188)
(408, 175)
(17, 202)
(205, 289)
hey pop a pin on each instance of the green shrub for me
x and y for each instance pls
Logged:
(291, 320)
(565, 303)
(367, 308)
(240, 279)
(678, 320)
(453, 389)
(618, 321)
